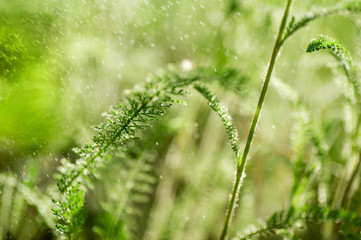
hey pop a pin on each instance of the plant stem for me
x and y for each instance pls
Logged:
(241, 162)
(346, 195)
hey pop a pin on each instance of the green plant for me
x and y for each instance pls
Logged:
(122, 123)
(149, 103)
(323, 201)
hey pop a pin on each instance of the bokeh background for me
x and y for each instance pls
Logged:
(63, 63)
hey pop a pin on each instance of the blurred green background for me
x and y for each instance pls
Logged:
(64, 62)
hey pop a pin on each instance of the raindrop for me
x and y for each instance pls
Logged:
(187, 64)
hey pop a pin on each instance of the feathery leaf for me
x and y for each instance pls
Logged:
(122, 123)
(226, 118)
(294, 25)
(342, 56)
(293, 217)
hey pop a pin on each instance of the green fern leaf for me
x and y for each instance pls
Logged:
(342, 56)
(122, 123)
(346, 8)
(143, 106)
(226, 118)
(281, 221)
(325, 42)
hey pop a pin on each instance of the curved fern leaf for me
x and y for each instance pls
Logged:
(292, 218)
(294, 25)
(229, 78)
(342, 56)
(122, 122)
(144, 105)
(226, 118)
(325, 42)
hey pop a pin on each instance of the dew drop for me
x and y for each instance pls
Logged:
(186, 64)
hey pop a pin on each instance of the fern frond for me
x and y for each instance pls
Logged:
(337, 50)
(295, 217)
(229, 78)
(226, 118)
(342, 56)
(122, 123)
(294, 25)
(144, 105)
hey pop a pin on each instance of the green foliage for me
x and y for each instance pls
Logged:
(125, 172)
(309, 176)
(294, 25)
(353, 6)
(17, 198)
(110, 227)
(342, 56)
(122, 122)
(229, 78)
(309, 149)
(226, 118)
(325, 42)
(131, 190)
(294, 218)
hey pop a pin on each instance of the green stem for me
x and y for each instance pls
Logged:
(346, 195)
(227, 221)
(241, 163)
